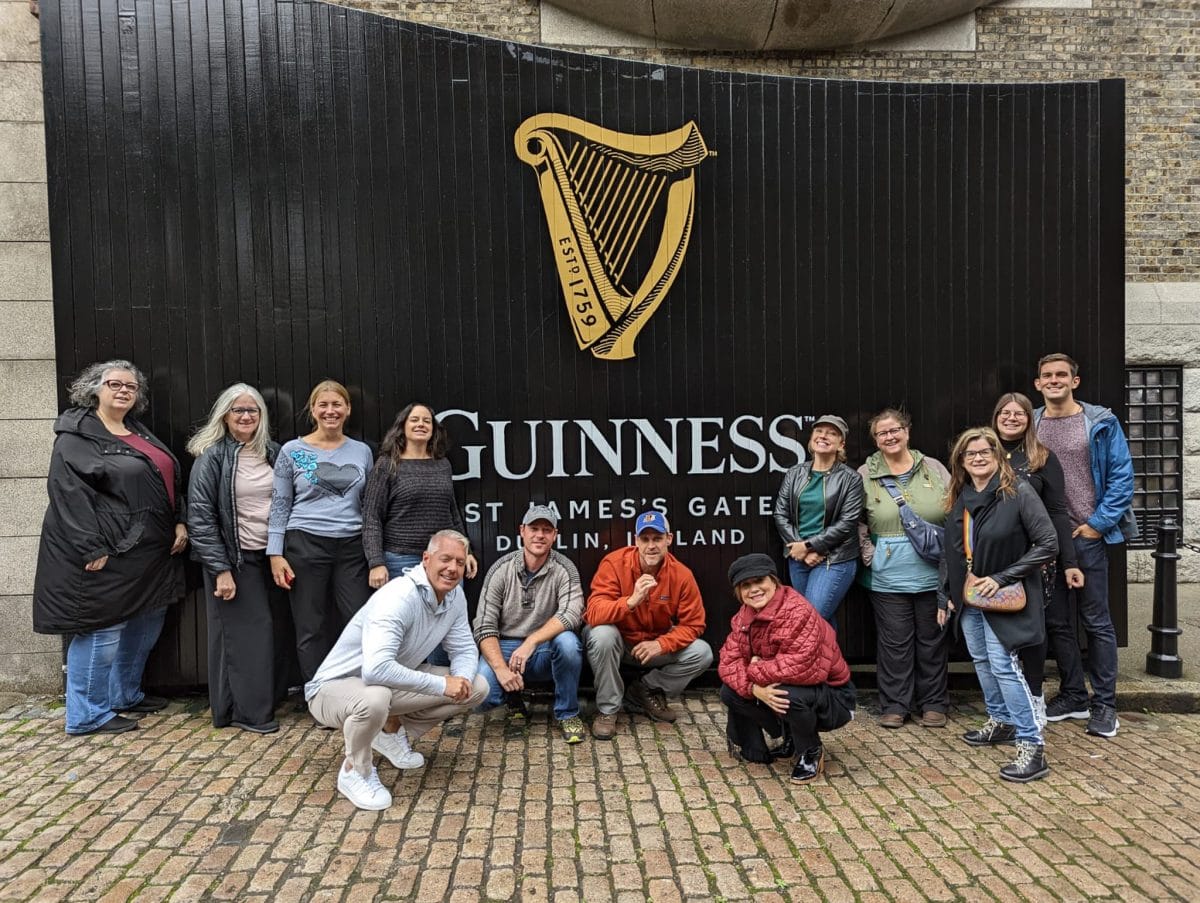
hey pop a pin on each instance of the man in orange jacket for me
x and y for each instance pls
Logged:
(645, 610)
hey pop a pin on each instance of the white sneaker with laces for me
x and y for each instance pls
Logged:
(366, 793)
(395, 748)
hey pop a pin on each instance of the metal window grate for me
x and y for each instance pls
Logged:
(1155, 397)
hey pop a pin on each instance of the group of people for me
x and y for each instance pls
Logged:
(1023, 517)
(364, 558)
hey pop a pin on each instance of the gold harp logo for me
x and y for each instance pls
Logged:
(606, 196)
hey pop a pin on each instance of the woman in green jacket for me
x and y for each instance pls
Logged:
(911, 650)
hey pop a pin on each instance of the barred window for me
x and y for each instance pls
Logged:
(1155, 397)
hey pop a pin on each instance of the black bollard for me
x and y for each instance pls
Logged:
(1163, 659)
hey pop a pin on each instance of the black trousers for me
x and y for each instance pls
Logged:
(812, 710)
(911, 653)
(330, 587)
(242, 671)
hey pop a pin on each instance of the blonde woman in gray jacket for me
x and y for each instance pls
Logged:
(817, 513)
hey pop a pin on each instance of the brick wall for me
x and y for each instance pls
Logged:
(1154, 46)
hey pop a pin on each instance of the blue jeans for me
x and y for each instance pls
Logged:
(824, 586)
(1005, 692)
(558, 660)
(1091, 602)
(398, 564)
(104, 670)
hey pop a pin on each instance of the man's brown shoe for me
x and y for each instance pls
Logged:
(933, 719)
(650, 702)
(604, 726)
(891, 720)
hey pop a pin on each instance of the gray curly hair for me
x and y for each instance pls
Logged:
(85, 390)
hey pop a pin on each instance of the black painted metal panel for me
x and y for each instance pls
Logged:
(280, 192)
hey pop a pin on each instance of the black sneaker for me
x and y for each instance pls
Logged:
(147, 705)
(990, 733)
(1029, 765)
(1060, 709)
(1103, 722)
(114, 725)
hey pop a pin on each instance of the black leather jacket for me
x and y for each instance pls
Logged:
(843, 508)
(212, 508)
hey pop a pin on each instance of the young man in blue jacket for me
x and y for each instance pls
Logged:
(1091, 447)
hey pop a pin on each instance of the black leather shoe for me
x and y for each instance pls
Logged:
(737, 753)
(784, 750)
(116, 725)
(809, 766)
(147, 705)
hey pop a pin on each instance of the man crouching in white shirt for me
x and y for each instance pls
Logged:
(375, 684)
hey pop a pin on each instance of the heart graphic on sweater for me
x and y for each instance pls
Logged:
(336, 478)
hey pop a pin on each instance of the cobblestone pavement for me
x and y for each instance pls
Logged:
(180, 810)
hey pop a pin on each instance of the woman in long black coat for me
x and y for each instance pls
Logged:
(106, 563)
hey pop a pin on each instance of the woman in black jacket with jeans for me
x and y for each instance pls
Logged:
(997, 537)
(229, 498)
(816, 513)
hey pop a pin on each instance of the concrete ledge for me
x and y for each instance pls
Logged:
(19, 36)
(956, 34)
(1044, 4)
(21, 92)
(32, 672)
(19, 554)
(16, 629)
(569, 29)
(37, 399)
(22, 151)
(28, 332)
(25, 447)
(24, 212)
(23, 503)
(25, 271)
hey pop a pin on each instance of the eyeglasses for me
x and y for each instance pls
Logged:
(984, 453)
(885, 434)
(116, 385)
(1013, 415)
(239, 412)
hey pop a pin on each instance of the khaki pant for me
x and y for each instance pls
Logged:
(360, 709)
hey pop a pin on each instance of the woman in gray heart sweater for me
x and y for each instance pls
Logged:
(314, 534)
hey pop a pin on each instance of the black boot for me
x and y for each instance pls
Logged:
(990, 733)
(784, 748)
(1029, 765)
(809, 765)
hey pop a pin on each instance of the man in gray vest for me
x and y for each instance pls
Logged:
(530, 610)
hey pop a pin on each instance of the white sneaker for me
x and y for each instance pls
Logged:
(365, 793)
(1039, 712)
(395, 748)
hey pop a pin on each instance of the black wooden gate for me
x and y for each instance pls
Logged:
(279, 191)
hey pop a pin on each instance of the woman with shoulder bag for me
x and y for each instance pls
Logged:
(1012, 419)
(911, 652)
(998, 537)
(816, 513)
(229, 503)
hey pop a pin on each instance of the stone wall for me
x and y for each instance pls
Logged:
(1154, 45)
(27, 391)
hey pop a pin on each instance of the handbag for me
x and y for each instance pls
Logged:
(1006, 599)
(927, 539)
